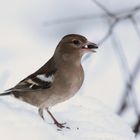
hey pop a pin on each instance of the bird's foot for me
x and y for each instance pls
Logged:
(61, 125)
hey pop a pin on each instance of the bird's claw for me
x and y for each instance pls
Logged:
(61, 125)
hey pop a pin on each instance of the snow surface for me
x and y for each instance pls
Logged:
(87, 118)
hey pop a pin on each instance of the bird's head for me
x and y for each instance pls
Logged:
(74, 45)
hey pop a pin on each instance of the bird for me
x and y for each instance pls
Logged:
(57, 80)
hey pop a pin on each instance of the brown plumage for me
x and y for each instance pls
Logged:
(59, 79)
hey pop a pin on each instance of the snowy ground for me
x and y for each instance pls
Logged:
(87, 118)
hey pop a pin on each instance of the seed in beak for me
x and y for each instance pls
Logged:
(86, 46)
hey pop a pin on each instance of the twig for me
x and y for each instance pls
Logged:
(134, 22)
(107, 12)
(109, 32)
(130, 89)
(136, 127)
(114, 16)
(124, 66)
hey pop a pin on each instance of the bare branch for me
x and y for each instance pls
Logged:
(130, 88)
(136, 127)
(109, 32)
(107, 12)
(124, 15)
(118, 49)
(134, 22)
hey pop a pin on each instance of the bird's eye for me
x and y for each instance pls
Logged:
(76, 42)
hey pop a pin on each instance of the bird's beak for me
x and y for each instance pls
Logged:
(89, 46)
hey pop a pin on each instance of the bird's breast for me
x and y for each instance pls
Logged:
(69, 81)
(65, 85)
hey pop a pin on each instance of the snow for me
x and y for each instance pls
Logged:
(87, 118)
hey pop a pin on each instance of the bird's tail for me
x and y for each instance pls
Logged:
(7, 92)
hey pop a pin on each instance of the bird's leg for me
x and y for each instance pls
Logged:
(60, 125)
(40, 111)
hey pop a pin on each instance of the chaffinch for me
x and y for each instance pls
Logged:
(59, 79)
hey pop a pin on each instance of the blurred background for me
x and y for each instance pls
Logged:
(31, 29)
